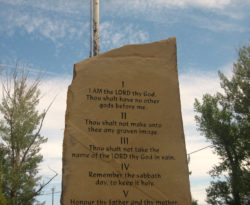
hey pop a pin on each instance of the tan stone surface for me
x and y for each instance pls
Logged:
(130, 93)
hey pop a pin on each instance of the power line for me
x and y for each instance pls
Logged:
(33, 70)
(58, 192)
(200, 149)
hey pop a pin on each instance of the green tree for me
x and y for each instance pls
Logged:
(224, 119)
(3, 201)
(194, 202)
(20, 139)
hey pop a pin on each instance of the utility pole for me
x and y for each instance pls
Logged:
(94, 28)
(53, 189)
(91, 27)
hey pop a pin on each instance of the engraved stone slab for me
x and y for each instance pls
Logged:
(124, 141)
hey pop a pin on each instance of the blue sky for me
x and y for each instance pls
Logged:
(52, 35)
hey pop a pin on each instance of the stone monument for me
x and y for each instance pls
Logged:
(124, 141)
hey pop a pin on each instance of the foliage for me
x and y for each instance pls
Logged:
(3, 201)
(20, 139)
(194, 202)
(224, 119)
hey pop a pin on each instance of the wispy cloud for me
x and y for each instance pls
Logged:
(194, 85)
(72, 9)
(216, 24)
(203, 3)
(144, 4)
(222, 7)
(47, 26)
(113, 35)
(69, 20)
(62, 6)
(198, 193)
(77, 5)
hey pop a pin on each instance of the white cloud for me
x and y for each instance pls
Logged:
(113, 35)
(216, 25)
(49, 166)
(62, 6)
(194, 85)
(57, 20)
(144, 4)
(53, 127)
(52, 28)
(41, 23)
(137, 7)
(199, 193)
(54, 89)
(203, 3)
(201, 162)
(76, 5)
